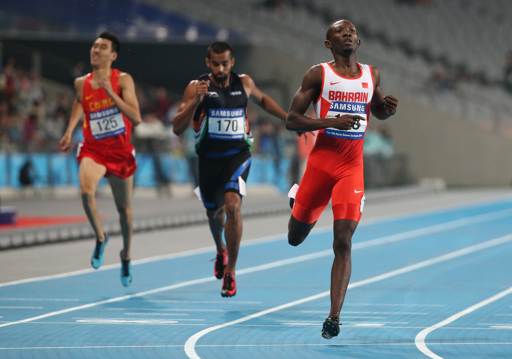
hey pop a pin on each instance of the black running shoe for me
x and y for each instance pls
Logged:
(126, 275)
(331, 327)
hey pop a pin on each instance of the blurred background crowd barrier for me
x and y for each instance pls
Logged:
(454, 122)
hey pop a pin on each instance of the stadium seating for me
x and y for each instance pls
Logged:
(408, 43)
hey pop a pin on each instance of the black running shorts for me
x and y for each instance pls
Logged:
(220, 175)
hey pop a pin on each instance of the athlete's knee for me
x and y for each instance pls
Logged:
(294, 239)
(232, 205)
(297, 231)
(87, 189)
(124, 210)
(215, 213)
(87, 197)
(342, 244)
(232, 210)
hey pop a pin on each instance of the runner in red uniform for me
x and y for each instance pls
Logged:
(106, 97)
(344, 92)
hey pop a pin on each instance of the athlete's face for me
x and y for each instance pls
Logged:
(342, 38)
(220, 65)
(102, 53)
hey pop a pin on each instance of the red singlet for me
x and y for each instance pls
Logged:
(107, 131)
(335, 166)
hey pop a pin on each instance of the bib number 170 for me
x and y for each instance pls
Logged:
(227, 125)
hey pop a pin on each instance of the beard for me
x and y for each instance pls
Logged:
(220, 78)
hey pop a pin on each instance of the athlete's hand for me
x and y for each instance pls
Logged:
(65, 142)
(105, 83)
(390, 105)
(346, 122)
(306, 136)
(201, 89)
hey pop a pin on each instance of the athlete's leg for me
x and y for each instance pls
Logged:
(216, 220)
(342, 264)
(90, 173)
(210, 186)
(312, 196)
(122, 190)
(234, 179)
(298, 231)
(347, 205)
(233, 227)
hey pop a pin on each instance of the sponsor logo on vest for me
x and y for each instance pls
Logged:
(235, 93)
(226, 113)
(348, 107)
(101, 104)
(348, 96)
(212, 94)
(105, 113)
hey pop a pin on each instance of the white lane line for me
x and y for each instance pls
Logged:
(393, 305)
(156, 346)
(166, 310)
(75, 323)
(188, 283)
(388, 326)
(15, 299)
(501, 327)
(19, 307)
(315, 255)
(301, 323)
(421, 336)
(172, 301)
(110, 300)
(156, 314)
(190, 344)
(271, 238)
(117, 321)
(368, 313)
(370, 325)
(434, 229)
(187, 253)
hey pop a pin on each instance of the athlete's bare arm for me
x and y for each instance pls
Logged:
(263, 100)
(128, 103)
(194, 94)
(76, 113)
(382, 106)
(305, 95)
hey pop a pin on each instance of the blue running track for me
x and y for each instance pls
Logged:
(431, 285)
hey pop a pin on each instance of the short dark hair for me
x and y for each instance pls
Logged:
(219, 47)
(116, 45)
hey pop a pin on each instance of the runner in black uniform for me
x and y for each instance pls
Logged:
(216, 103)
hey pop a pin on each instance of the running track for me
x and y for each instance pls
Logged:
(430, 285)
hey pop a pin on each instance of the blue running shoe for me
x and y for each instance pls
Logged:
(126, 275)
(97, 255)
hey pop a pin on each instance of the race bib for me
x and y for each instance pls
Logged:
(355, 133)
(107, 123)
(226, 124)
(340, 108)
